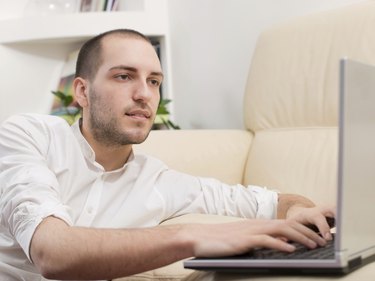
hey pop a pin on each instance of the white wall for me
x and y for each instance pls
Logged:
(212, 42)
(11, 9)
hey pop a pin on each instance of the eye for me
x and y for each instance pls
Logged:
(154, 82)
(122, 77)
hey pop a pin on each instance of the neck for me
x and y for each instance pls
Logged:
(110, 157)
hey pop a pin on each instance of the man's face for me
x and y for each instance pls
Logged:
(124, 96)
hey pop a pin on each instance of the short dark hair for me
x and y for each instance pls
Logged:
(89, 57)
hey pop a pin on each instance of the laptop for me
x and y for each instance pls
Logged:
(354, 242)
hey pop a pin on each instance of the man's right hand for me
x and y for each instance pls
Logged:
(240, 237)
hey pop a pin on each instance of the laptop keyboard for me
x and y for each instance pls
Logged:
(301, 252)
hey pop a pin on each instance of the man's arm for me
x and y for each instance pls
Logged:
(60, 251)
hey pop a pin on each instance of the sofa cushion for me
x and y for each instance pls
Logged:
(301, 161)
(220, 154)
(294, 75)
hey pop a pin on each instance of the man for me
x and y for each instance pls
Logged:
(77, 204)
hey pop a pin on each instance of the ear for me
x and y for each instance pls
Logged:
(80, 87)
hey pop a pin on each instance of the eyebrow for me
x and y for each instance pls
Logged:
(133, 69)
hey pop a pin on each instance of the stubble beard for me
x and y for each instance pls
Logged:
(105, 126)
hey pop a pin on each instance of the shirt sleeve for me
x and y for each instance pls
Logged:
(29, 191)
(185, 194)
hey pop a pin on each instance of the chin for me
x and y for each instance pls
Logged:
(138, 140)
(138, 137)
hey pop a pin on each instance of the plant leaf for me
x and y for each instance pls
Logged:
(64, 98)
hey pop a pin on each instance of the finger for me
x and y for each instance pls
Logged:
(312, 235)
(266, 241)
(324, 227)
(320, 219)
(301, 234)
(324, 221)
(282, 238)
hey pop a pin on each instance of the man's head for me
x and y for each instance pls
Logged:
(89, 58)
(118, 77)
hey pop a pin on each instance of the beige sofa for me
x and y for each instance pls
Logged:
(290, 112)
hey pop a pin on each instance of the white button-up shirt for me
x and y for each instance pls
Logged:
(47, 168)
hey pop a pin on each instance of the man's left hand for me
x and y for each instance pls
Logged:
(316, 216)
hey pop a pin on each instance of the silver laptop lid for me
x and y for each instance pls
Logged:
(356, 177)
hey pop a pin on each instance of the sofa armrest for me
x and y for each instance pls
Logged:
(220, 154)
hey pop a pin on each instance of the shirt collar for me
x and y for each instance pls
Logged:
(87, 150)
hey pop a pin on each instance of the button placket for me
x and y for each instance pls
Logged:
(92, 203)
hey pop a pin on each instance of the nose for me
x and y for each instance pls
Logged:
(142, 91)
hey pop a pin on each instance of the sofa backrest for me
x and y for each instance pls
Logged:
(291, 99)
(219, 154)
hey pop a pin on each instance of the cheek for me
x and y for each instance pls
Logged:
(108, 103)
(156, 99)
(154, 106)
(117, 105)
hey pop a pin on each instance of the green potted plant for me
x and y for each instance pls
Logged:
(66, 108)
(162, 116)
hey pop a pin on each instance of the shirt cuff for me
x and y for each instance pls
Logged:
(29, 216)
(266, 201)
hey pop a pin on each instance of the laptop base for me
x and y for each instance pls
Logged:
(332, 271)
